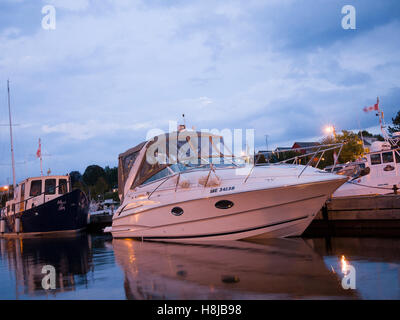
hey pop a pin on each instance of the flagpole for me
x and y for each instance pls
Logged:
(41, 162)
(381, 121)
(11, 136)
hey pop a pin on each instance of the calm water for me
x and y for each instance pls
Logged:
(97, 267)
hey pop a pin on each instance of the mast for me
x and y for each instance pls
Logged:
(11, 136)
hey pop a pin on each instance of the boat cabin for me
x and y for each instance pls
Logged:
(173, 152)
(385, 162)
(35, 191)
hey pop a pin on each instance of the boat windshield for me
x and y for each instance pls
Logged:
(167, 155)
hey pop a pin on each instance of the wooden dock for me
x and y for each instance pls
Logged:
(98, 222)
(358, 216)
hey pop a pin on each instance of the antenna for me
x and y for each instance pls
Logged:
(11, 136)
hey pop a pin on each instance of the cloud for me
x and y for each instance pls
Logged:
(74, 5)
(89, 129)
(112, 70)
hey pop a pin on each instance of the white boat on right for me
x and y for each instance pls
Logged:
(379, 174)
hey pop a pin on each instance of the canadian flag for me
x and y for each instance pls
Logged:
(375, 107)
(39, 150)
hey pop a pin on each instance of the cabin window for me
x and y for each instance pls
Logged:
(387, 157)
(62, 186)
(36, 188)
(376, 158)
(50, 186)
(166, 172)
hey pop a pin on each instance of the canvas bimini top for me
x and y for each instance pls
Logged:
(177, 151)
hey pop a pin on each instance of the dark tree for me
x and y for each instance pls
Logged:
(367, 134)
(111, 176)
(75, 177)
(396, 123)
(92, 174)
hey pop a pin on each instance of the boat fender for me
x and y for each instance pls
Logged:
(212, 181)
(184, 184)
(17, 225)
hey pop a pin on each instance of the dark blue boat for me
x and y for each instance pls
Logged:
(47, 209)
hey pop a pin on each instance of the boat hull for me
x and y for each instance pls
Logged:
(367, 187)
(65, 213)
(274, 212)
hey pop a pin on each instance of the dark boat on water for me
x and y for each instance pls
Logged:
(46, 205)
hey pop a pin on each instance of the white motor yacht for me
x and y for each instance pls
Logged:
(379, 174)
(213, 197)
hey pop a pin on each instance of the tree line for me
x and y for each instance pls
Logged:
(352, 150)
(97, 182)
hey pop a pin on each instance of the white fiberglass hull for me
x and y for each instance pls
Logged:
(367, 186)
(273, 212)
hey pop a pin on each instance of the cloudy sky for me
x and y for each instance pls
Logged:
(114, 69)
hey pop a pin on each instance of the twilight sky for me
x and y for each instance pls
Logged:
(114, 69)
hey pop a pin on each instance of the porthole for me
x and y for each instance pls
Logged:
(177, 211)
(224, 204)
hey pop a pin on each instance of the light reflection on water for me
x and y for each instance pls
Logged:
(97, 267)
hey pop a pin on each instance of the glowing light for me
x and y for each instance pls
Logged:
(329, 129)
(344, 265)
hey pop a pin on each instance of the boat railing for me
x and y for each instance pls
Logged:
(321, 149)
(25, 201)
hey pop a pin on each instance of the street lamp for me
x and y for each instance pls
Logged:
(330, 130)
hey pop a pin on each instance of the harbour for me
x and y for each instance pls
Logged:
(183, 152)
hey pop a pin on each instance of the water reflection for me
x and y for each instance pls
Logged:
(97, 267)
(25, 258)
(376, 262)
(274, 268)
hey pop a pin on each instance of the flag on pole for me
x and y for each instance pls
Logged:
(375, 107)
(39, 150)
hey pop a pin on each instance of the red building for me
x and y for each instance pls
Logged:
(308, 146)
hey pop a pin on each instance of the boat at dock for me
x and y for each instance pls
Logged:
(45, 205)
(216, 197)
(378, 172)
(106, 207)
